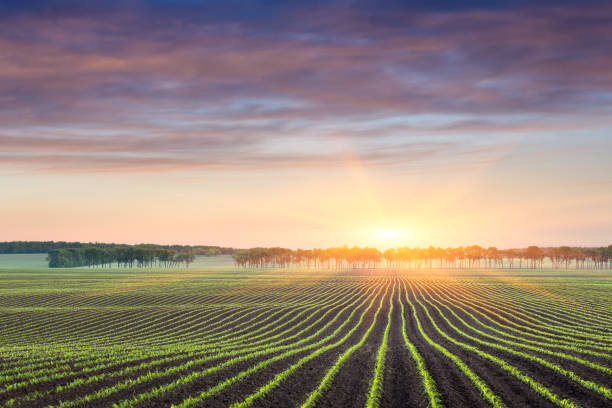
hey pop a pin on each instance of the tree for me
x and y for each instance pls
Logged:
(535, 255)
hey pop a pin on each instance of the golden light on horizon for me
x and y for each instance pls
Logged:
(388, 234)
(386, 237)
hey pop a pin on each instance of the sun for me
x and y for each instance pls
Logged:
(386, 237)
(388, 234)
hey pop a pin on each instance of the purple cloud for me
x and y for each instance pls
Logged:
(158, 89)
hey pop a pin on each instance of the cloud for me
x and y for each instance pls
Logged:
(149, 86)
(70, 157)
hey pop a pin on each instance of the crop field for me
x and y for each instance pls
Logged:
(36, 261)
(23, 261)
(284, 338)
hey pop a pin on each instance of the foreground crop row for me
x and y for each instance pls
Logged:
(351, 339)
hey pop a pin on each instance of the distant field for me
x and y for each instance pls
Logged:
(30, 261)
(23, 261)
(223, 337)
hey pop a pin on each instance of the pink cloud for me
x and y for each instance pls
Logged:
(177, 90)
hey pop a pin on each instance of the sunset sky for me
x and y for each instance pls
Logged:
(308, 123)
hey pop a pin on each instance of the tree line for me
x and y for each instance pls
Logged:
(473, 256)
(39, 247)
(123, 256)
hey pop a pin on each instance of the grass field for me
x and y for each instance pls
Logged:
(31, 261)
(23, 261)
(217, 338)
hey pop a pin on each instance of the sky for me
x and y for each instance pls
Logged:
(307, 123)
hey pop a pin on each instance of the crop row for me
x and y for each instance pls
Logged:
(319, 339)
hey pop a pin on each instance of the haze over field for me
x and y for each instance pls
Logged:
(307, 124)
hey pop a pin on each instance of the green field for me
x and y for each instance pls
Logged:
(23, 261)
(276, 338)
(31, 261)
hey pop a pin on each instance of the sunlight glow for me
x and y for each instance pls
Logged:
(390, 236)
